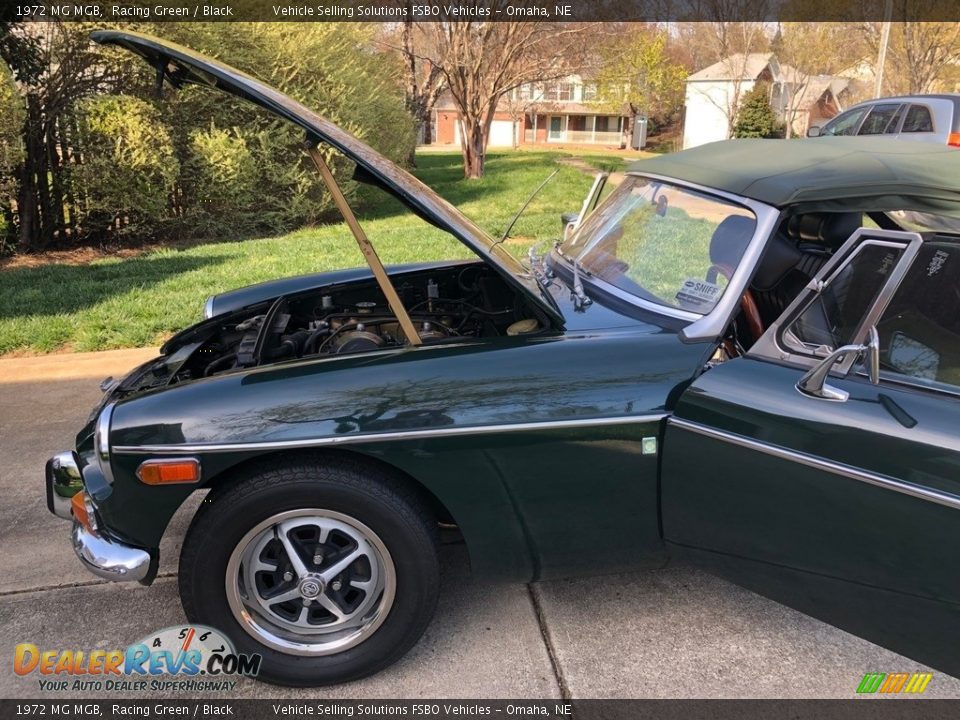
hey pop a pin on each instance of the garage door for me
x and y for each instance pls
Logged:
(501, 134)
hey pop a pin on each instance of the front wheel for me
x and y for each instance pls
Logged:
(327, 570)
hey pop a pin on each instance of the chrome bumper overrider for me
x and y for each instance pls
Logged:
(63, 482)
(100, 554)
(110, 559)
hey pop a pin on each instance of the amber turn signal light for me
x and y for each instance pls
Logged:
(953, 140)
(82, 510)
(169, 472)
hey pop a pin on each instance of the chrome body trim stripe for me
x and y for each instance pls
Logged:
(882, 481)
(189, 449)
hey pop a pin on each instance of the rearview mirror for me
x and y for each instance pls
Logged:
(814, 382)
(813, 131)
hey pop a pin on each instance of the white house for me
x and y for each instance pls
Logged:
(712, 95)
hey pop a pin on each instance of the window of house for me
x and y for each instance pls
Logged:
(918, 120)
(589, 92)
(565, 91)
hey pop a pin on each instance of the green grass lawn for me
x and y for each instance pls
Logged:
(116, 303)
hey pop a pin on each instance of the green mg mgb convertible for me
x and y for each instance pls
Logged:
(746, 355)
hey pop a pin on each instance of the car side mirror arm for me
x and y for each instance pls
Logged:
(814, 381)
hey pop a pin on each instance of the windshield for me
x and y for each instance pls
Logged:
(663, 243)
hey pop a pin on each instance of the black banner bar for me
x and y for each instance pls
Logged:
(305, 709)
(482, 10)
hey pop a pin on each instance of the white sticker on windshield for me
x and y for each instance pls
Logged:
(699, 293)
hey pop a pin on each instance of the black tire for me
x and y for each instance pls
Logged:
(390, 508)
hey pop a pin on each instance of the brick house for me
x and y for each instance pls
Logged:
(558, 112)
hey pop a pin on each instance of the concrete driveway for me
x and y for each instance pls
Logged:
(674, 633)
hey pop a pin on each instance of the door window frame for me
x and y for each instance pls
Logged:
(771, 346)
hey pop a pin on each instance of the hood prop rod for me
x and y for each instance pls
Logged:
(366, 247)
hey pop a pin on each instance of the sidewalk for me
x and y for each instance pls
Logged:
(72, 366)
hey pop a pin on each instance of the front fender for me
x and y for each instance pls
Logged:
(506, 434)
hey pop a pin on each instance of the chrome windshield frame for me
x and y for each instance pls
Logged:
(711, 325)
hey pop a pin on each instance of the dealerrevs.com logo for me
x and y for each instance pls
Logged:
(182, 658)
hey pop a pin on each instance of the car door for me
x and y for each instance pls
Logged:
(845, 505)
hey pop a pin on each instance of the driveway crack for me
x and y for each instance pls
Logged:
(536, 600)
(67, 586)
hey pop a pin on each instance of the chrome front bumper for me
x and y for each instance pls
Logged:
(100, 554)
(110, 559)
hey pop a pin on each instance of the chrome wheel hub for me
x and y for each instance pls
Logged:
(310, 587)
(310, 582)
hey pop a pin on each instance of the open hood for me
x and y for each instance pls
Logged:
(180, 66)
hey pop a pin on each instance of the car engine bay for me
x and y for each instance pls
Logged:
(452, 304)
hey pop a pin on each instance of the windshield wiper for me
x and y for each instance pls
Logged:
(538, 266)
(579, 297)
(577, 294)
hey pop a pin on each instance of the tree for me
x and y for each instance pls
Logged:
(756, 118)
(722, 37)
(129, 168)
(423, 80)
(482, 61)
(220, 165)
(330, 68)
(806, 50)
(520, 101)
(920, 55)
(637, 73)
(12, 115)
(55, 68)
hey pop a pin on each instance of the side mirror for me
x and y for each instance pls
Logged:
(813, 131)
(814, 382)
